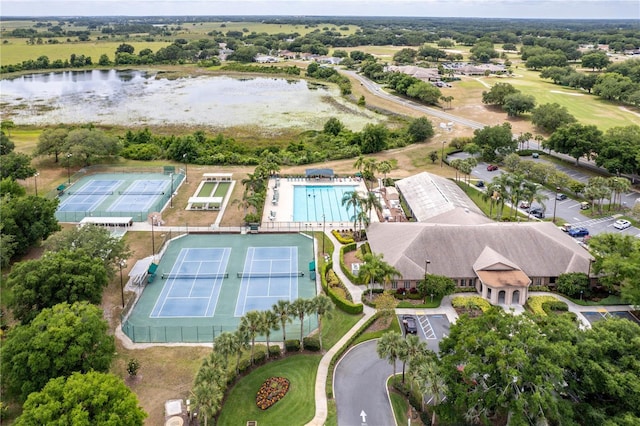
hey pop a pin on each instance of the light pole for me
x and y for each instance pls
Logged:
(171, 193)
(323, 224)
(122, 263)
(35, 182)
(186, 171)
(442, 154)
(555, 202)
(426, 268)
(69, 155)
(153, 240)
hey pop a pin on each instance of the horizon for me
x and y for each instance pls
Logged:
(482, 9)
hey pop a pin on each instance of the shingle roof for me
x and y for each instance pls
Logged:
(537, 248)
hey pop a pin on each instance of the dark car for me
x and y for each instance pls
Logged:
(492, 167)
(480, 184)
(578, 232)
(537, 212)
(409, 324)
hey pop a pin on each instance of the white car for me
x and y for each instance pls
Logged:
(621, 224)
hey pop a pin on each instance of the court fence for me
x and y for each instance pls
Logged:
(138, 216)
(174, 334)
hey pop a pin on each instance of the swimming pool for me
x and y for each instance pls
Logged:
(311, 202)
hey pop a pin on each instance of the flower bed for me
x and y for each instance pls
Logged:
(272, 390)
(535, 303)
(470, 305)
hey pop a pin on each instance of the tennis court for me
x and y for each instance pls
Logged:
(117, 195)
(205, 283)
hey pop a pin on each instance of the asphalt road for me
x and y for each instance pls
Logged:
(360, 387)
(566, 211)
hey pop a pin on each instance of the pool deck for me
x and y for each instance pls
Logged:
(283, 209)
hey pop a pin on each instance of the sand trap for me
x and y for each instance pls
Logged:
(566, 93)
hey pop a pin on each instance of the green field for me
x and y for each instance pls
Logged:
(296, 408)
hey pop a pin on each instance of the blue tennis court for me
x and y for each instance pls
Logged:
(140, 195)
(193, 286)
(90, 195)
(270, 274)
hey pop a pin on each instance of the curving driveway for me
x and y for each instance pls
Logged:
(359, 386)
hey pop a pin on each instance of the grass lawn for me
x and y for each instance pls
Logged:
(297, 407)
(400, 407)
(334, 328)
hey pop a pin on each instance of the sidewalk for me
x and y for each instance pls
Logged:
(323, 368)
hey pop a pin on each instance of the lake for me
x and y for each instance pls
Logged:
(126, 98)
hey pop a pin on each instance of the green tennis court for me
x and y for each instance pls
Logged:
(206, 283)
(117, 195)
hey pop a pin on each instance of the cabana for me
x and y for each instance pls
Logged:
(217, 177)
(319, 173)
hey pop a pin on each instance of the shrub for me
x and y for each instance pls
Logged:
(341, 238)
(244, 365)
(341, 303)
(535, 304)
(133, 366)
(311, 344)
(274, 351)
(473, 302)
(292, 345)
(554, 306)
(259, 357)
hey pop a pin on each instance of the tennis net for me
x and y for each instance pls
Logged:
(90, 192)
(270, 274)
(194, 276)
(140, 193)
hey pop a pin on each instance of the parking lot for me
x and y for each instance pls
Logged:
(595, 316)
(431, 328)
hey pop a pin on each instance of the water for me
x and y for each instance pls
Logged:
(310, 203)
(128, 98)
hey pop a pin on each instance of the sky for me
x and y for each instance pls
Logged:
(554, 9)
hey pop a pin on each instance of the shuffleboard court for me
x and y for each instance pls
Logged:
(193, 287)
(270, 274)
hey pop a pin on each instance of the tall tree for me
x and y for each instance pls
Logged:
(576, 140)
(210, 385)
(269, 322)
(516, 104)
(618, 263)
(88, 145)
(64, 276)
(497, 94)
(390, 347)
(426, 371)
(59, 341)
(550, 117)
(322, 306)
(52, 142)
(226, 344)
(96, 241)
(420, 129)
(28, 219)
(300, 308)
(495, 141)
(90, 398)
(251, 323)
(282, 309)
(352, 199)
(16, 165)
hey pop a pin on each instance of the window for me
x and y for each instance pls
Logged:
(407, 284)
(394, 284)
(537, 281)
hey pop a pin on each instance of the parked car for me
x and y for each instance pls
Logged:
(492, 167)
(584, 205)
(409, 324)
(480, 184)
(535, 155)
(525, 205)
(537, 212)
(565, 227)
(561, 197)
(578, 232)
(621, 224)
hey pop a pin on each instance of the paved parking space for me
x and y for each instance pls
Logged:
(431, 328)
(595, 316)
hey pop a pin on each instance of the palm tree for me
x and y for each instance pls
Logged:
(322, 305)
(226, 344)
(371, 201)
(352, 199)
(283, 309)
(389, 347)
(384, 167)
(251, 322)
(425, 371)
(412, 348)
(359, 163)
(210, 385)
(375, 269)
(269, 322)
(618, 185)
(243, 343)
(531, 192)
(370, 166)
(300, 308)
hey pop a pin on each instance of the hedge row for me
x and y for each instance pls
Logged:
(342, 350)
(342, 240)
(473, 302)
(346, 249)
(342, 304)
(535, 304)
